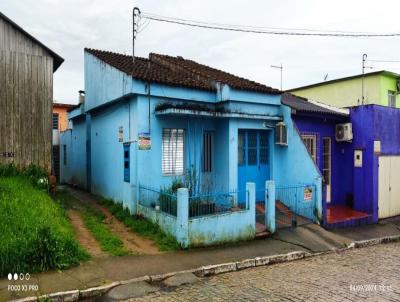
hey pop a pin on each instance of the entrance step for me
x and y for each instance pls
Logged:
(261, 231)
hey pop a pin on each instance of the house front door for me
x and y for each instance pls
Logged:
(253, 162)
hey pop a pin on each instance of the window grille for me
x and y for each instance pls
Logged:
(207, 151)
(310, 141)
(55, 121)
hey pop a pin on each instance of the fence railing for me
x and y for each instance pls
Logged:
(159, 200)
(217, 203)
(298, 200)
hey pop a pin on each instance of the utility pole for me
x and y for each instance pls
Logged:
(364, 58)
(281, 68)
(135, 15)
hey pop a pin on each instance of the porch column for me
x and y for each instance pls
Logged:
(182, 217)
(270, 205)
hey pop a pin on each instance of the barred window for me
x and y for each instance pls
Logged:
(207, 151)
(55, 121)
(173, 151)
(310, 141)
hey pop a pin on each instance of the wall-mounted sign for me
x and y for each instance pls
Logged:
(7, 154)
(358, 158)
(144, 141)
(377, 147)
(308, 193)
(120, 134)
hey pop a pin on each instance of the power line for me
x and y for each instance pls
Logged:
(265, 30)
(384, 61)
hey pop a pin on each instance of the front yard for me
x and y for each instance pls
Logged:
(35, 232)
(40, 231)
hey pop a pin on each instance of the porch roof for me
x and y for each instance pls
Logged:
(215, 114)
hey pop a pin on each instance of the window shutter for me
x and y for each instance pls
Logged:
(173, 151)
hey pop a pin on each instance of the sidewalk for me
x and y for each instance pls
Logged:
(310, 238)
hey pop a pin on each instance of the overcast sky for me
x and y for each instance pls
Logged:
(69, 26)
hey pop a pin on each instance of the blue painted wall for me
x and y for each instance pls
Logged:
(74, 172)
(114, 100)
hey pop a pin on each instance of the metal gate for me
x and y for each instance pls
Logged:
(295, 205)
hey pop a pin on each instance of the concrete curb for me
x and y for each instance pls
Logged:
(374, 241)
(209, 270)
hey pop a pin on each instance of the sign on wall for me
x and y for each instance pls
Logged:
(308, 192)
(120, 134)
(144, 141)
(377, 147)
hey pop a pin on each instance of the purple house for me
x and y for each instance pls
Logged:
(316, 124)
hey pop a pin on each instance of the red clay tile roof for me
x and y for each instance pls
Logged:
(177, 71)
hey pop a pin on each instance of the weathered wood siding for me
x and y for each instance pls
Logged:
(26, 94)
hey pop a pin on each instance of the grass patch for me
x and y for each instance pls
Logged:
(95, 222)
(35, 232)
(142, 226)
(109, 242)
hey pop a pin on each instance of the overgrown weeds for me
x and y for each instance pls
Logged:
(142, 226)
(35, 232)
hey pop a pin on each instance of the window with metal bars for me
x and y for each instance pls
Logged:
(207, 151)
(173, 151)
(127, 177)
(310, 141)
(55, 121)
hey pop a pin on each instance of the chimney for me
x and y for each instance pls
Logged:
(81, 96)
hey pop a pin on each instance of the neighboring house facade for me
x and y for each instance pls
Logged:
(148, 124)
(361, 177)
(26, 97)
(380, 88)
(59, 124)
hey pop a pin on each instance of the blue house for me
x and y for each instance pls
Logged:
(191, 147)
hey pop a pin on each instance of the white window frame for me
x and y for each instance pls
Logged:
(173, 151)
(310, 137)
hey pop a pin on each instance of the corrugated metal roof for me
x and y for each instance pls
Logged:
(300, 104)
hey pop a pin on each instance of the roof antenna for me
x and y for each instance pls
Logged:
(135, 16)
(326, 77)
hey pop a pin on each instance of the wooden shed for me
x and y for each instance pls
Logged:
(26, 96)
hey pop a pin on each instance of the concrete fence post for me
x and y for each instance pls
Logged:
(251, 201)
(270, 206)
(182, 217)
(318, 199)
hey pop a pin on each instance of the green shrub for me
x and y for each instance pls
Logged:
(36, 175)
(142, 226)
(35, 232)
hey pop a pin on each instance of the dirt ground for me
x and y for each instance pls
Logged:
(84, 237)
(132, 242)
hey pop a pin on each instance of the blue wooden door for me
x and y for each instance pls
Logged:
(253, 161)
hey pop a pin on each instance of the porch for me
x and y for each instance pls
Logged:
(341, 216)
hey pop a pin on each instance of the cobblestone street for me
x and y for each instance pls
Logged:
(366, 274)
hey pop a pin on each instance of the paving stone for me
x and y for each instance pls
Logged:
(181, 279)
(131, 290)
(327, 277)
